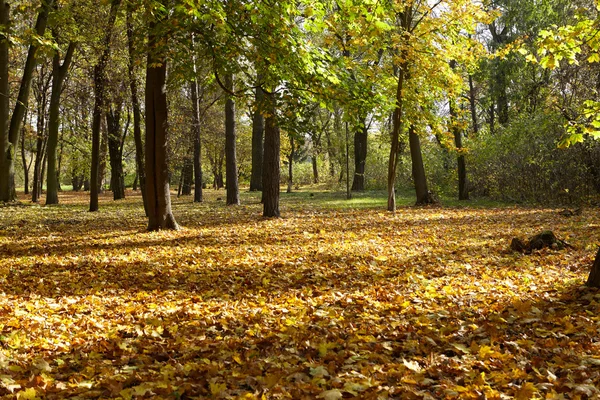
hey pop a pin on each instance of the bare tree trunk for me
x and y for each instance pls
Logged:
(472, 105)
(463, 191)
(315, 168)
(360, 156)
(59, 73)
(113, 124)
(24, 160)
(258, 128)
(291, 166)
(197, 142)
(99, 83)
(158, 194)
(135, 102)
(418, 170)
(4, 103)
(231, 171)
(271, 170)
(395, 146)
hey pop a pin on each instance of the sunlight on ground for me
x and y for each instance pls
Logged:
(334, 299)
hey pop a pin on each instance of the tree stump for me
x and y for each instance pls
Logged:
(538, 242)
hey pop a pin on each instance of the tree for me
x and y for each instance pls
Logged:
(99, 103)
(158, 194)
(258, 129)
(231, 170)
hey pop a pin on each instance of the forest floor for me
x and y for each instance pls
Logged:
(336, 299)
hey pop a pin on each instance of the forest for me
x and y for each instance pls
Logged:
(294, 199)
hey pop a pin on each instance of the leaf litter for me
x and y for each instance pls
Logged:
(324, 303)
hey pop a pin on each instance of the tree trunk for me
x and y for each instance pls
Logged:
(395, 146)
(291, 166)
(258, 129)
(40, 144)
(7, 148)
(231, 171)
(113, 125)
(418, 170)
(99, 83)
(59, 73)
(197, 162)
(360, 157)
(271, 170)
(135, 102)
(594, 276)
(4, 103)
(472, 105)
(315, 168)
(158, 194)
(463, 192)
(24, 161)
(188, 176)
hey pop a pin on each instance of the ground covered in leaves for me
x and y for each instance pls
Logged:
(327, 302)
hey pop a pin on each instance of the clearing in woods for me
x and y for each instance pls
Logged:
(336, 299)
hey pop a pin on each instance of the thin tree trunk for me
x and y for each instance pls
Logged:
(463, 192)
(418, 170)
(99, 83)
(4, 104)
(188, 176)
(113, 124)
(135, 103)
(315, 168)
(59, 73)
(197, 162)
(158, 194)
(360, 157)
(291, 166)
(258, 129)
(395, 146)
(24, 161)
(472, 105)
(231, 170)
(271, 170)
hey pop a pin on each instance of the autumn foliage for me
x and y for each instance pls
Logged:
(328, 302)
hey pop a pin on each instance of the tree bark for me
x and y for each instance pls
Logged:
(472, 105)
(418, 170)
(258, 129)
(188, 176)
(158, 193)
(231, 171)
(594, 276)
(463, 192)
(7, 157)
(271, 169)
(197, 162)
(395, 146)
(135, 103)
(59, 73)
(99, 83)
(291, 166)
(40, 139)
(113, 125)
(360, 157)
(4, 102)
(24, 161)
(315, 168)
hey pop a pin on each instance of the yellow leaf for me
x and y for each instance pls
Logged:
(527, 391)
(27, 394)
